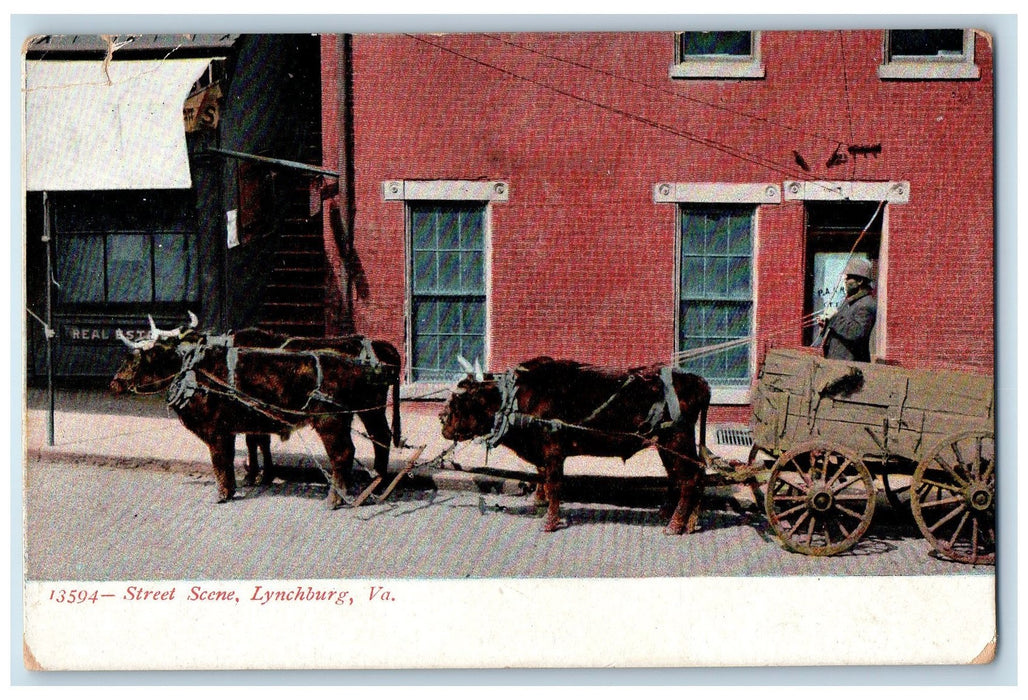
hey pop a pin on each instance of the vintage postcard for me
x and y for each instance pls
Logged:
(491, 349)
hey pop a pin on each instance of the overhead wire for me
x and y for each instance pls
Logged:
(665, 91)
(713, 144)
(805, 321)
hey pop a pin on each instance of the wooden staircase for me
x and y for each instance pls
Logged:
(294, 297)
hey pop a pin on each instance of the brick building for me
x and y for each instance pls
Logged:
(627, 198)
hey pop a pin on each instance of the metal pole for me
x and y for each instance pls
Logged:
(48, 330)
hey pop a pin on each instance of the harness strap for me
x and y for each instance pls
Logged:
(231, 359)
(674, 409)
(185, 383)
(669, 403)
(508, 406)
(317, 394)
(367, 353)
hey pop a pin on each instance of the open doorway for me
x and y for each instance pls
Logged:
(835, 231)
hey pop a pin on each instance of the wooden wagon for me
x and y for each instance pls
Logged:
(831, 427)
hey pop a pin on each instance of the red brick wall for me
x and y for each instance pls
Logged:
(582, 258)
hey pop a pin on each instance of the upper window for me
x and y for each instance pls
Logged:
(717, 55)
(929, 54)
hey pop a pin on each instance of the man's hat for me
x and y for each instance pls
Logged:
(858, 267)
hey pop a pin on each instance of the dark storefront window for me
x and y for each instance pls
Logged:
(125, 248)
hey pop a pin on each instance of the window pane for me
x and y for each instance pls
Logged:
(449, 272)
(425, 317)
(472, 272)
(425, 278)
(694, 225)
(449, 317)
(426, 354)
(449, 230)
(172, 267)
(449, 348)
(423, 230)
(128, 269)
(473, 347)
(927, 42)
(715, 281)
(474, 319)
(737, 283)
(715, 43)
(80, 269)
(471, 233)
(740, 228)
(692, 277)
(717, 237)
(736, 320)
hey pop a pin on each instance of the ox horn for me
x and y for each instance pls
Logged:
(122, 337)
(157, 334)
(193, 320)
(479, 375)
(466, 366)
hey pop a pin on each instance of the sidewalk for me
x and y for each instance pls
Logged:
(94, 427)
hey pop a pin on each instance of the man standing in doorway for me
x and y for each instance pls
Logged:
(847, 333)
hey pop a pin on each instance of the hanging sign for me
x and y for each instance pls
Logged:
(99, 333)
(201, 109)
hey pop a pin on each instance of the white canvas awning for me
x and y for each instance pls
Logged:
(85, 132)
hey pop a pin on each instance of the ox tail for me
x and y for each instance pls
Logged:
(396, 412)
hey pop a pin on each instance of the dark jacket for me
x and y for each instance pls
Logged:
(848, 333)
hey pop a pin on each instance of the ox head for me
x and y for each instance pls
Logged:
(152, 361)
(472, 406)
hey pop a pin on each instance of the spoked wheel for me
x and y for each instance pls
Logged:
(953, 498)
(820, 499)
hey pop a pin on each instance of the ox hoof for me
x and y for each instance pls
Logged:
(335, 500)
(554, 525)
(225, 498)
(670, 530)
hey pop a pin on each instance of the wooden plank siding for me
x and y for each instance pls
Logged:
(871, 409)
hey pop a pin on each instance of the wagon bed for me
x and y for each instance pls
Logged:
(830, 426)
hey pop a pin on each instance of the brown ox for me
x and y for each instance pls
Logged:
(350, 345)
(219, 390)
(546, 410)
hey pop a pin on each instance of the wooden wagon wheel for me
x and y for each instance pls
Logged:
(820, 499)
(954, 497)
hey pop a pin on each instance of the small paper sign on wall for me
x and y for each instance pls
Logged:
(233, 231)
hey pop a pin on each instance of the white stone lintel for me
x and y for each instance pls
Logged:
(718, 192)
(458, 190)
